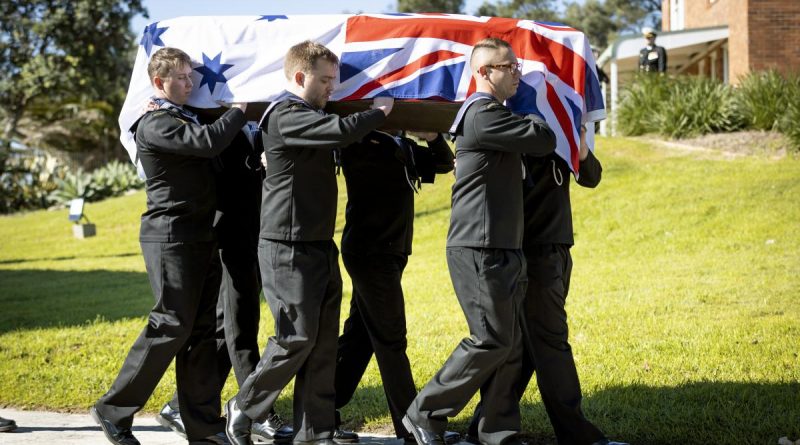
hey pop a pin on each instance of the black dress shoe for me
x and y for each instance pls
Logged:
(217, 439)
(451, 437)
(423, 436)
(115, 434)
(343, 436)
(273, 430)
(7, 425)
(237, 425)
(171, 419)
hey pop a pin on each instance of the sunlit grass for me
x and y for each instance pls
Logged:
(684, 302)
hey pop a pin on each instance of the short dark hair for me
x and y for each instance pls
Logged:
(491, 43)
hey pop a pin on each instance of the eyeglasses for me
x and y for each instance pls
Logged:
(508, 67)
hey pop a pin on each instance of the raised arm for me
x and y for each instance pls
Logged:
(500, 129)
(302, 126)
(167, 133)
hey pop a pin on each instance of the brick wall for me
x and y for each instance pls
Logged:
(774, 35)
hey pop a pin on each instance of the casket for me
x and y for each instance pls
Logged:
(422, 60)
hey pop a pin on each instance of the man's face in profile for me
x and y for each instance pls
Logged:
(319, 83)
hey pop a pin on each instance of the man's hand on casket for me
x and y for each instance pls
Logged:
(240, 105)
(384, 104)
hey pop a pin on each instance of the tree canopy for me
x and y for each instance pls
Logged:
(56, 52)
(446, 6)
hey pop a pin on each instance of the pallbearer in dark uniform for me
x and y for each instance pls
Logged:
(297, 256)
(382, 173)
(238, 177)
(484, 254)
(178, 244)
(546, 243)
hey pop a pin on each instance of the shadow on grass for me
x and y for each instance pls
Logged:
(695, 413)
(48, 298)
(65, 258)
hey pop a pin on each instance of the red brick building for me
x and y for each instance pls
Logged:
(721, 39)
(762, 34)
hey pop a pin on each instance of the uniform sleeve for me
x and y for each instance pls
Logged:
(662, 60)
(304, 127)
(165, 132)
(591, 171)
(497, 128)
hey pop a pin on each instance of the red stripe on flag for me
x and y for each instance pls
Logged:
(565, 123)
(527, 44)
(407, 70)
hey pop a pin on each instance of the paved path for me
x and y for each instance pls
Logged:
(41, 427)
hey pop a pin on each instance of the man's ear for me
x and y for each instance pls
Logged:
(300, 78)
(482, 72)
(158, 83)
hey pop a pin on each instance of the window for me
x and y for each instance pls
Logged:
(676, 15)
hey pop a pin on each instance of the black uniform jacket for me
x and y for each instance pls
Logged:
(487, 197)
(548, 213)
(380, 174)
(176, 155)
(299, 194)
(653, 59)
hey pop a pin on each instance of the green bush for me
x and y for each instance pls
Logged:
(676, 106)
(35, 181)
(26, 181)
(696, 106)
(762, 99)
(640, 103)
(113, 179)
(790, 123)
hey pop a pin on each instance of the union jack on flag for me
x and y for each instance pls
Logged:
(405, 56)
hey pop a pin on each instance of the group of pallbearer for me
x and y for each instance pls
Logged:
(233, 209)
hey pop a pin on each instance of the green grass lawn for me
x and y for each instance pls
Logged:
(684, 307)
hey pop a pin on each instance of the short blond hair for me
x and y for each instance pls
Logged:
(166, 60)
(303, 57)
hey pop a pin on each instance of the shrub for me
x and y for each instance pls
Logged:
(640, 103)
(27, 181)
(790, 123)
(696, 106)
(676, 106)
(113, 179)
(762, 99)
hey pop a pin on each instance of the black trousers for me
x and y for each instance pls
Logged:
(549, 352)
(303, 287)
(490, 285)
(377, 324)
(181, 325)
(237, 313)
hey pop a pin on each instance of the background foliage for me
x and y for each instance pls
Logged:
(64, 67)
(685, 106)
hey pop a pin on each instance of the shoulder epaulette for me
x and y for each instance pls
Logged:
(492, 105)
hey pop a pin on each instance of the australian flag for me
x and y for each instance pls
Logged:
(405, 56)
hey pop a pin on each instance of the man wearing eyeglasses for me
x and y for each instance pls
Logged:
(484, 254)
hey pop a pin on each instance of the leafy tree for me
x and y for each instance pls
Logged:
(448, 6)
(600, 20)
(603, 20)
(540, 10)
(61, 52)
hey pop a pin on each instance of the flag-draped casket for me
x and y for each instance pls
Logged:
(422, 60)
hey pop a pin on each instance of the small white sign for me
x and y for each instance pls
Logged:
(76, 209)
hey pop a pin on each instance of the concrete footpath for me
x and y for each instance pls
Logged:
(42, 427)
